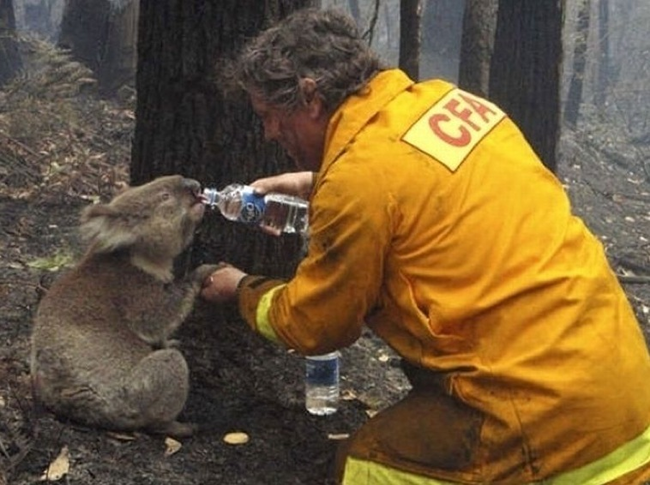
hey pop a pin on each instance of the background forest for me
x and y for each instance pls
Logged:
(97, 94)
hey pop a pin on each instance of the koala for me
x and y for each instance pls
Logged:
(100, 344)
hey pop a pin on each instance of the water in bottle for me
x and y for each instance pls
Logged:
(322, 383)
(285, 213)
(278, 212)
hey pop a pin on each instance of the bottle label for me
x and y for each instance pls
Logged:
(252, 207)
(322, 372)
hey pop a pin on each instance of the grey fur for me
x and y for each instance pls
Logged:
(100, 342)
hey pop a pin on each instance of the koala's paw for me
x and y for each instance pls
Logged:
(202, 272)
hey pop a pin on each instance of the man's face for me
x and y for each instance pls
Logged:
(300, 132)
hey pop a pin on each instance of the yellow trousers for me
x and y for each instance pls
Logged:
(400, 446)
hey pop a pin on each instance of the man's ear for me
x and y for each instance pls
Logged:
(313, 101)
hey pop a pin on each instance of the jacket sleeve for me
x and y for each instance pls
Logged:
(323, 307)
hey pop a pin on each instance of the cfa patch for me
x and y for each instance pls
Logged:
(452, 127)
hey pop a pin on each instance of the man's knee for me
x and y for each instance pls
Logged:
(426, 430)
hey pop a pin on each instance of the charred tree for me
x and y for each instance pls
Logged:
(441, 38)
(574, 95)
(102, 35)
(355, 11)
(119, 57)
(410, 16)
(83, 28)
(10, 60)
(603, 73)
(525, 70)
(479, 26)
(186, 124)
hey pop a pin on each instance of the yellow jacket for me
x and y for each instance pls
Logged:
(434, 223)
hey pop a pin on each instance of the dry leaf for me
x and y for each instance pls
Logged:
(236, 438)
(58, 468)
(371, 412)
(171, 446)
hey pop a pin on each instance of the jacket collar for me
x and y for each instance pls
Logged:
(357, 110)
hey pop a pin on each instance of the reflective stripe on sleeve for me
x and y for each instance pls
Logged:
(627, 458)
(262, 320)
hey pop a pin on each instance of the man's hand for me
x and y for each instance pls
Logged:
(299, 184)
(221, 286)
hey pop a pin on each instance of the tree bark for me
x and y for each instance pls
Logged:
(603, 74)
(525, 70)
(355, 11)
(102, 35)
(10, 60)
(410, 16)
(83, 25)
(477, 44)
(186, 125)
(574, 95)
(441, 38)
(120, 53)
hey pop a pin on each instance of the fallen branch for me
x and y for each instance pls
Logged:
(625, 278)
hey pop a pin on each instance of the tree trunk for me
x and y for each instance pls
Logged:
(355, 11)
(10, 60)
(525, 70)
(119, 60)
(574, 96)
(186, 125)
(441, 38)
(83, 28)
(102, 35)
(477, 44)
(603, 73)
(410, 15)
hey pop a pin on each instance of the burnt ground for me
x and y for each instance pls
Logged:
(58, 154)
(239, 382)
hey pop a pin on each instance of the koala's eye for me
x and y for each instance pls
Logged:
(165, 196)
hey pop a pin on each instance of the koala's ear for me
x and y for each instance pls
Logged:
(103, 228)
(97, 210)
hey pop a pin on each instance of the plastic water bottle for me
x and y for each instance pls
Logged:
(279, 212)
(322, 383)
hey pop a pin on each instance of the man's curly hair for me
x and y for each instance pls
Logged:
(324, 45)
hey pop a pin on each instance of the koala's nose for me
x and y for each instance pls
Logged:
(192, 185)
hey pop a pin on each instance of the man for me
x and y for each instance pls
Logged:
(434, 223)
